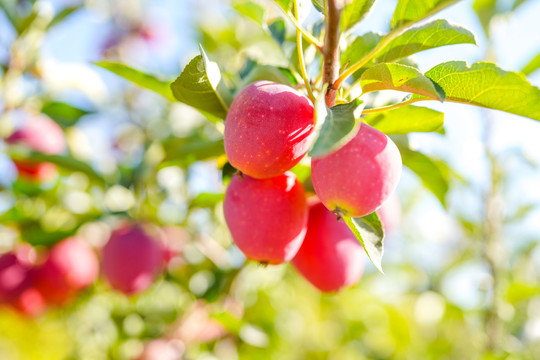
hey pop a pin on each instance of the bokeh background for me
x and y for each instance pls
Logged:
(462, 267)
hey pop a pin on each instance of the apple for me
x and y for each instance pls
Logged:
(17, 277)
(330, 258)
(267, 217)
(356, 179)
(268, 129)
(71, 266)
(39, 133)
(132, 259)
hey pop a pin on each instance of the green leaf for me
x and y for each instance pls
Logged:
(185, 151)
(285, 4)
(532, 66)
(62, 113)
(320, 5)
(394, 76)
(432, 172)
(369, 231)
(200, 86)
(278, 30)
(270, 73)
(138, 77)
(63, 162)
(334, 127)
(485, 10)
(354, 12)
(206, 200)
(251, 10)
(486, 85)
(517, 292)
(360, 47)
(434, 34)
(32, 233)
(406, 119)
(409, 12)
(62, 15)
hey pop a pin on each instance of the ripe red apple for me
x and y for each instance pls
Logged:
(267, 218)
(71, 266)
(268, 128)
(42, 134)
(132, 259)
(356, 179)
(17, 277)
(330, 257)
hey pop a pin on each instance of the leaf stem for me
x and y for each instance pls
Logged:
(389, 107)
(360, 63)
(331, 51)
(301, 55)
(294, 19)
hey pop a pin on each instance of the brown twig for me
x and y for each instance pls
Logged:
(331, 50)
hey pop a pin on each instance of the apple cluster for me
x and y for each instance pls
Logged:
(268, 130)
(31, 281)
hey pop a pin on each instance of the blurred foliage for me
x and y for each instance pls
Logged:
(133, 154)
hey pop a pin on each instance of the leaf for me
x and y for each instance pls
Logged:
(138, 77)
(185, 151)
(486, 85)
(369, 231)
(320, 5)
(198, 84)
(434, 34)
(278, 30)
(360, 47)
(398, 77)
(517, 292)
(62, 15)
(64, 162)
(285, 4)
(485, 10)
(334, 127)
(62, 113)
(532, 66)
(206, 200)
(409, 12)
(270, 73)
(432, 172)
(354, 12)
(406, 119)
(251, 10)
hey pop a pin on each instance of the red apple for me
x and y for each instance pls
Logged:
(331, 257)
(356, 179)
(17, 277)
(42, 134)
(268, 128)
(267, 218)
(132, 259)
(71, 266)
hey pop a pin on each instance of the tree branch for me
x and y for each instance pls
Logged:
(331, 50)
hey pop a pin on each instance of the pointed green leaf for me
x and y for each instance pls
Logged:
(409, 12)
(360, 47)
(185, 151)
(200, 86)
(434, 34)
(285, 4)
(486, 85)
(278, 30)
(62, 15)
(206, 200)
(251, 10)
(532, 66)
(398, 77)
(138, 77)
(354, 12)
(270, 73)
(432, 172)
(406, 119)
(62, 113)
(335, 126)
(369, 231)
(320, 5)
(485, 10)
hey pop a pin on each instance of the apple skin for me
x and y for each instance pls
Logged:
(268, 129)
(330, 258)
(17, 280)
(131, 259)
(268, 217)
(42, 134)
(356, 179)
(71, 266)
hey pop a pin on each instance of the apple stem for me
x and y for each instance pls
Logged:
(331, 50)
